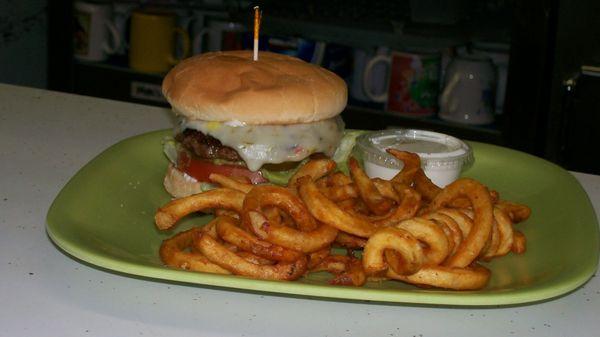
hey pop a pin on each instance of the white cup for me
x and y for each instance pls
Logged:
(95, 36)
(469, 90)
(376, 81)
(222, 35)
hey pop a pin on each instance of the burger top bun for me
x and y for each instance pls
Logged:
(276, 89)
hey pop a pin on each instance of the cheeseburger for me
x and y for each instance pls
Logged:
(254, 119)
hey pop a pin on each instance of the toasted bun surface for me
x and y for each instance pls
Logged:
(276, 89)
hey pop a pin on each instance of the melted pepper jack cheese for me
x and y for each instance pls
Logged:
(274, 144)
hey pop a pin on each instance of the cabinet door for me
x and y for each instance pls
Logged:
(579, 150)
(529, 80)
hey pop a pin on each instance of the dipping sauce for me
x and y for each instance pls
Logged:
(443, 157)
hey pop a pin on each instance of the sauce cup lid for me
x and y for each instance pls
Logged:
(436, 150)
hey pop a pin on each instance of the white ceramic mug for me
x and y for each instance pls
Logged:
(375, 83)
(468, 95)
(95, 35)
(499, 54)
(222, 35)
(412, 82)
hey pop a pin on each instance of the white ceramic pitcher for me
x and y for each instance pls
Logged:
(469, 91)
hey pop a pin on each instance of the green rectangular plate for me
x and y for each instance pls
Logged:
(104, 216)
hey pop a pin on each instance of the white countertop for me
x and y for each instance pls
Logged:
(46, 137)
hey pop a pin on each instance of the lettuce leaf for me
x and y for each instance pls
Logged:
(344, 151)
(340, 156)
(170, 149)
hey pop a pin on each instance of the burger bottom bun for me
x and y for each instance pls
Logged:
(179, 185)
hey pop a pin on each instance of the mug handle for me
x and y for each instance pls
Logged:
(367, 74)
(199, 40)
(447, 93)
(319, 53)
(116, 38)
(186, 45)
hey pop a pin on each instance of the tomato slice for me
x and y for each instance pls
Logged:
(201, 170)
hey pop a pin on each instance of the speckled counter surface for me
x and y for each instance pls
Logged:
(46, 137)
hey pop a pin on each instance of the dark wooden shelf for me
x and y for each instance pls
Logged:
(392, 35)
(114, 81)
(394, 32)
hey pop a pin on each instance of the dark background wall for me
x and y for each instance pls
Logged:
(23, 43)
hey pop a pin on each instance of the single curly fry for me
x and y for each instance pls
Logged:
(255, 259)
(516, 212)
(168, 215)
(348, 270)
(519, 245)
(450, 228)
(174, 252)
(339, 179)
(317, 257)
(429, 190)
(349, 241)
(228, 230)
(435, 240)
(218, 254)
(339, 193)
(329, 213)
(288, 237)
(367, 190)
(226, 212)
(483, 220)
(491, 247)
(353, 276)
(410, 202)
(425, 186)
(334, 264)
(464, 222)
(501, 236)
(505, 230)
(398, 240)
(228, 182)
(314, 168)
(468, 278)
(386, 188)
(334, 179)
(310, 235)
(412, 164)
(264, 196)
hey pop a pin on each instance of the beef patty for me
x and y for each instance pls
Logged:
(206, 146)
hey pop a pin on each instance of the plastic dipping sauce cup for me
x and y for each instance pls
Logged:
(443, 157)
